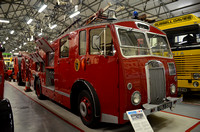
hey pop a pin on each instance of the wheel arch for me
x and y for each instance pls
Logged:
(77, 87)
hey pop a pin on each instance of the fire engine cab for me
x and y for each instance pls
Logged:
(104, 69)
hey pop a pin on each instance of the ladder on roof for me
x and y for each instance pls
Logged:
(97, 15)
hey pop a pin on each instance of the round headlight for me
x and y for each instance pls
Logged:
(136, 98)
(195, 84)
(196, 75)
(129, 86)
(173, 89)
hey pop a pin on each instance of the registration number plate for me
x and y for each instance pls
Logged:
(164, 106)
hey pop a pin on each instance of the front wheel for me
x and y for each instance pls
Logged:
(86, 109)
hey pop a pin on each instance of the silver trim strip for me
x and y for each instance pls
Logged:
(109, 118)
(52, 89)
(62, 93)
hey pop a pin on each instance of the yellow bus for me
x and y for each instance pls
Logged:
(183, 33)
(7, 57)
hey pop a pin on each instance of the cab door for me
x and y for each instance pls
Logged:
(63, 66)
(102, 68)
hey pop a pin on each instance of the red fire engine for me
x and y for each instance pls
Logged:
(6, 116)
(105, 69)
(22, 66)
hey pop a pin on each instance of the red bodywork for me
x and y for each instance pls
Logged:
(16, 67)
(1, 76)
(23, 64)
(107, 75)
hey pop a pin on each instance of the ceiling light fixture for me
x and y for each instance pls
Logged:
(11, 32)
(29, 21)
(7, 38)
(52, 27)
(5, 21)
(74, 14)
(31, 38)
(4, 42)
(42, 8)
(25, 43)
(39, 34)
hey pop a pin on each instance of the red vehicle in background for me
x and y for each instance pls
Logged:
(22, 67)
(6, 116)
(8, 74)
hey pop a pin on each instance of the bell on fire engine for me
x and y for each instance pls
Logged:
(112, 15)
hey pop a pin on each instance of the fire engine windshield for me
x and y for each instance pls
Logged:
(133, 43)
(159, 45)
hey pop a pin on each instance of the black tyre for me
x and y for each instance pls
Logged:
(86, 110)
(6, 120)
(38, 90)
(13, 80)
(19, 79)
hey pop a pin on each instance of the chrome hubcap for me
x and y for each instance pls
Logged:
(83, 109)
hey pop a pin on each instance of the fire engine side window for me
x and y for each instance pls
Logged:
(97, 42)
(82, 43)
(64, 47)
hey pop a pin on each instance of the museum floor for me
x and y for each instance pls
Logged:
(34, 115)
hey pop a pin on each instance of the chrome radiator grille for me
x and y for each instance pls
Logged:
(157, 85)
(156, 82)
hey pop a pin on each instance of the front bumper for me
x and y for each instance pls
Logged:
(188, 83)
(151, 108)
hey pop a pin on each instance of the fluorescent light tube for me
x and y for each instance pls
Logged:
(31, 38)
(55, 25)
(4, 21)
(74, 14)
(11, 32)
(39, 34)
(42, 8)
(29, 21)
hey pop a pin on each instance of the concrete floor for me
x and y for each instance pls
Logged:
(33, 115)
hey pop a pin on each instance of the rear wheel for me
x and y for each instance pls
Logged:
(38, 90)
(86, 109)
(6, 120)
